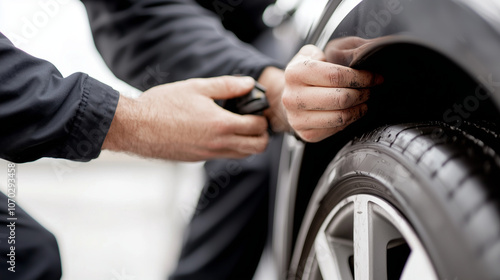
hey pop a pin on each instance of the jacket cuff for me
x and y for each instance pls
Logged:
(92, 121)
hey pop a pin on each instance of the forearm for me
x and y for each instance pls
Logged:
(120, 136)
(134, 130)
(45, 115)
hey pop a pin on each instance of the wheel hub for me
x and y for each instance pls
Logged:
(364, 237)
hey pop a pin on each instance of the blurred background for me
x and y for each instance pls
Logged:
(118, 217)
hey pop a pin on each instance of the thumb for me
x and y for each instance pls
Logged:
(227, 87)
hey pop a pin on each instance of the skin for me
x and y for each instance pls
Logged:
(190, 126)
(312, 97)
(321, 98)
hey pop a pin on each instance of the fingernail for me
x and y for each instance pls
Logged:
(248, 81)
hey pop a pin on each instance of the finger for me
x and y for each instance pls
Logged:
(217, 154)
(316, 135)
(234, 155)
(232, 146)
(327, 119)
(346, 43)
(248, 144)
(249, 125)
(225, 87)
(342, 50)
(311, 52)
(326, 99)
(325, 74)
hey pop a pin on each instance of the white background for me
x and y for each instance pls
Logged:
(118, 217)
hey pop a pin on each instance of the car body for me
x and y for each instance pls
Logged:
(441, 64)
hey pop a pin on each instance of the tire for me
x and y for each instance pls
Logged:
(429, 190)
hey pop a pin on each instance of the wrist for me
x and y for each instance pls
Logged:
(273, 79)
(122, 126)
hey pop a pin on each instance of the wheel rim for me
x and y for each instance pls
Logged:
(366, 237)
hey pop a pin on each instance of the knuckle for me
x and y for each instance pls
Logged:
(307, 49)
(297, 69)
(343, 100)
(338, 120)
(296, 123)
(287, 100)
(207, 154)
(360, 79)
(262, 146)
(256, 145)
(345, 116)
(357, 113)
(292, 72)
(360, 112)
(363, 95)
(367, 76)
(310, 64)
(366, 93)
(197, 83)
(310, 136)
(222, 83)
(266, 138)
(259, 125)
(220, 126)
(293, 123)
(262, 124)
(215, 144)
(293, 102)
(335, 77)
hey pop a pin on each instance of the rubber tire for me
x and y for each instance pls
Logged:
(445, 180)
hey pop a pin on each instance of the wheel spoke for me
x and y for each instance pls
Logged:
(366, 227)
(363, 251)
(333, 264)
(382, 233)
(418, 267)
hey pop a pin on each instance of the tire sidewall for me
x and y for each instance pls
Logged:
(384, 173)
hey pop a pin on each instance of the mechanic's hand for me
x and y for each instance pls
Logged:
(345, 49)
(322, 98)
(181, 121)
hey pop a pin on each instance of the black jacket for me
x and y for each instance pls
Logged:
(149, 42)
(145, 43)
(43, 114)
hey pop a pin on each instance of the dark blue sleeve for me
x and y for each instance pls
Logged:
(150, 42)
(43, 114)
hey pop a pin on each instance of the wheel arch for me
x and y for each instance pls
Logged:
(453, 45)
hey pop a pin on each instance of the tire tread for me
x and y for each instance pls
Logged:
(474, 149)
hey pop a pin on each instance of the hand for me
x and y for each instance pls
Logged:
(181, 121)
(345, 49)
(321, 98)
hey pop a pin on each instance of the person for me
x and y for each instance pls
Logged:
(46, 115)
(151, 42)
